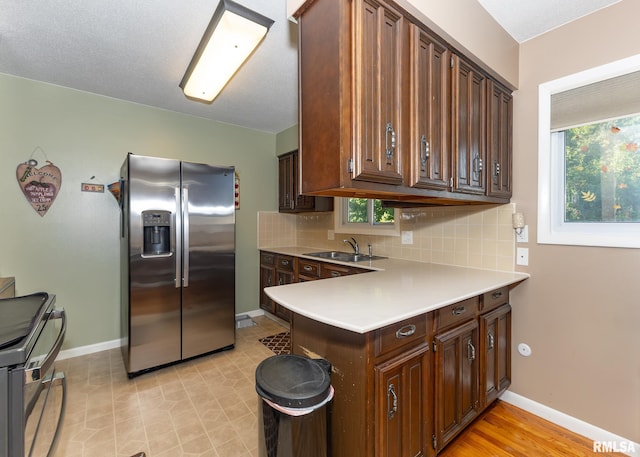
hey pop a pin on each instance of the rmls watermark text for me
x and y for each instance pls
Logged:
(614, 446)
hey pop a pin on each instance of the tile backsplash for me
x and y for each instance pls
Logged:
(473, 236)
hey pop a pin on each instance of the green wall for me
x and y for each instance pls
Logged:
(287, 140)
(73, 251)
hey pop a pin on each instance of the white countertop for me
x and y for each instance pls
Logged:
(397, 290)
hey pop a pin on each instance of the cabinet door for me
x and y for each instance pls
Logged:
(283, 277)
(430, 103)
(377, 92)
(402, 405)
(285, 184)
(495, 347)
(499, 141)
(267, 279)
(300, 202)
(456, 381)
(469, 127)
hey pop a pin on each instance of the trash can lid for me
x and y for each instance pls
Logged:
(293, 381)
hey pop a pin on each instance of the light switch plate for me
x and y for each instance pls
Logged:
(524, 235)
(407, 237)
(522, 256)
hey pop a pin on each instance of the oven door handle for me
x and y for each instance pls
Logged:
(35, 373)
(50, 381)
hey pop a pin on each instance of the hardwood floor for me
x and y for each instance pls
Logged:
(504, 430)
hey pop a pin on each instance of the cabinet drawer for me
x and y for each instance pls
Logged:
(400, 334)
(495, 298)
(267, 258)
(329, 270)
(308, 268)
(284, 263)
(456, 313)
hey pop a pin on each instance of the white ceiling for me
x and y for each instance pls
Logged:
(138, 50)
(525, 19)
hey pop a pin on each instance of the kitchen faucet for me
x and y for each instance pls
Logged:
(354, 245)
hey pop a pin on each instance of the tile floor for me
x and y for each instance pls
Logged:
(206, 407)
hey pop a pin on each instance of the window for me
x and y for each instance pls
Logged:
(601, 170)
(589, 157)
(364, 216)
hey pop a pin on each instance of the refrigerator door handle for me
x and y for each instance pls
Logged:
(178, 246)
(185, 237)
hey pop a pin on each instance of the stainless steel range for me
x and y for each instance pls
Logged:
(32, 393)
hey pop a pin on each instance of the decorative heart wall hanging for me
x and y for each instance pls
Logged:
(39, 185)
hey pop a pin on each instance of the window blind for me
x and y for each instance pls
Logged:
(608, 99)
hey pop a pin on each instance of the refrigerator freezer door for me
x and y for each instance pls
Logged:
(154, 294)
(208, 295)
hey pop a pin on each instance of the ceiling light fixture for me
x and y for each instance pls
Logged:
(232, 35)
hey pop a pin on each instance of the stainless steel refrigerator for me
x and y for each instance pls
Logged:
(177, 261)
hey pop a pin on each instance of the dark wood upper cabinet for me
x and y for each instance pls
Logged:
(390, 110)
(290, 200)
(377, 92)
(430, 102)
(499, 140)
(469, 94)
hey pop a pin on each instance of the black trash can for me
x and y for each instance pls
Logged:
(292, 416)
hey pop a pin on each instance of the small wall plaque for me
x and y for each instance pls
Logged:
(88, 187)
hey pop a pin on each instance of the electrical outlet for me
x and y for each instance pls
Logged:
(523, 237)
(330, 235)
(522, 256)
(407, 237)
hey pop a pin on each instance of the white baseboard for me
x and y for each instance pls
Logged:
(578, 426)
(254, 313)
(89, 349)
(106, 345)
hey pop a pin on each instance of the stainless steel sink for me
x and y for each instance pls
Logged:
(344, 256)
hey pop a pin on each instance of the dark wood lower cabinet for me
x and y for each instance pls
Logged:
(495, 350)
(407, 389)
(267, 279)
(401, 404)
(275, 270)
(456, 381)
(279, 269)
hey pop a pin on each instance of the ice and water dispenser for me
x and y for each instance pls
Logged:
(157, 233)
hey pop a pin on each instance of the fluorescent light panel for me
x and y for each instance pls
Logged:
(232, 35)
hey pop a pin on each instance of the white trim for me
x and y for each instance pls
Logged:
(564, 420)
(113, 344)
(548, 232)
(89, 349)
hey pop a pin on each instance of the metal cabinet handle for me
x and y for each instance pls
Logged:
(458, 310)
(471, 351)
(496, 295)
(269, 280)
(284, 262)
(391, 392)
(496, 168)
(280, 282)
(390, 132)
(406, 331)
(492, 340)
(424, 150)
(308, 268)
(335, 274)
(477, 165)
